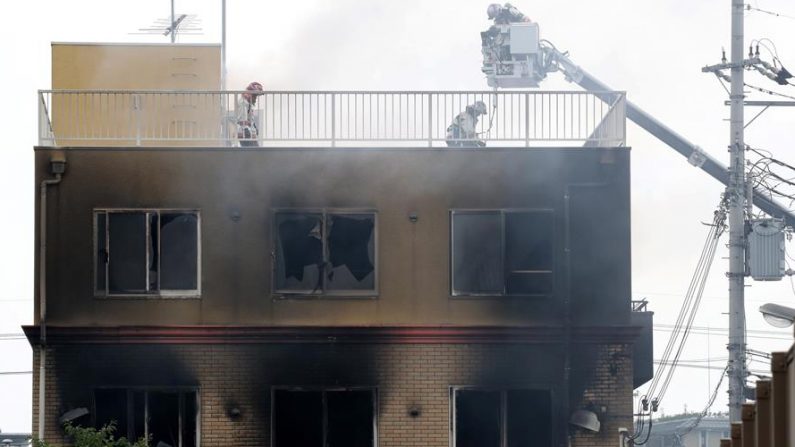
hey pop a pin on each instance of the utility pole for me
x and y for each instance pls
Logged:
(173, 24)
(737, 191)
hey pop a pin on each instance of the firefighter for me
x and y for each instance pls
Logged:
(245, 119)
(462, 132)
(503, 15)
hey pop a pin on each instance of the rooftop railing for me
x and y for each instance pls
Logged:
(330, 118)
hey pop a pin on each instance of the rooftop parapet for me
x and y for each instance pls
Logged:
(124, 118)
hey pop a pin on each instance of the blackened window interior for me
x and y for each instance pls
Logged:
(502, 252)
(297, 418)
(146, 252)
(331, 418)
(324, 252)
(494, 418)
(167, 417)
(477, 418)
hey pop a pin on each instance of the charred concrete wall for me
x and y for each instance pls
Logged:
(406, 377)
(236, 191)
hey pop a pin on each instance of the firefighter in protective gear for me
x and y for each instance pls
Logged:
(462, 132)
(503, 15)
(245, 119)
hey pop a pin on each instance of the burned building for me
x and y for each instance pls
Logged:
(334, 287)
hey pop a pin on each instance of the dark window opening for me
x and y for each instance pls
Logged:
(300, 251)
(324, 252)
(110, 406)
(179, 251)
(332, 418)
(529, 416)
(477, 418)
(163, 419)
(146, 252)
(350, 418)
(512, 418)
(297, 418)
(168, 418)
(127, 250)
(502, 252)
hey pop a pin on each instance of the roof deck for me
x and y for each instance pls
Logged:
(125, 118)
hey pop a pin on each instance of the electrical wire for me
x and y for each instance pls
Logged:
(687, 313)
(772, 13)
(766, 179)
(727, 78)
(697, 420)
(769, 92)
(671, 358)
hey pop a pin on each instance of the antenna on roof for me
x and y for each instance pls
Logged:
(185, 24)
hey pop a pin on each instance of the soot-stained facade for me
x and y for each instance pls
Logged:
(336, 296)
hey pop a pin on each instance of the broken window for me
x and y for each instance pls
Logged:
(502, 418)
(324, 252)
(167, 417)
(146, 252)
(502, 252)
(318, 418)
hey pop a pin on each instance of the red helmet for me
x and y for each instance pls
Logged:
(254, 86)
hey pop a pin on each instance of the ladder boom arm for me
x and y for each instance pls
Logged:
(665, 134)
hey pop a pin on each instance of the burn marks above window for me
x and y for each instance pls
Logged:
(325, 252)
(502, 252)
(146, 252)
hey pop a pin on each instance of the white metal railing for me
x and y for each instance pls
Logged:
(329, 118)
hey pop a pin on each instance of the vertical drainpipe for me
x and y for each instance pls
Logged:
(567, 320)
(57, 167)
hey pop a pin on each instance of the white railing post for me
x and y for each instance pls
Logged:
(137, 112)
(527, 119)
(41, 118)
(333, 119)
(623, 118)
(223, 97)
(430, 119)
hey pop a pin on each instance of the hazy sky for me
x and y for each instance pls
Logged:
(653, 50)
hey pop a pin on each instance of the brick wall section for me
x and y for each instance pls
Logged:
(611, 387)
(405, 375)
(51, 430)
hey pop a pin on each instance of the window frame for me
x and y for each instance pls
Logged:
(503, 409)
(323, 389)
(502, 213)
(323, 293)
(131, 390)
(158, 294)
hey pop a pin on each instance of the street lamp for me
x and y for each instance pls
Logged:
(777, 315)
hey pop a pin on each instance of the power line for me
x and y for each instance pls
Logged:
(701, 332)
(687, 312)
(724, 329)
(769, 92)
(14, 373)
(772, 13)
(697, 420)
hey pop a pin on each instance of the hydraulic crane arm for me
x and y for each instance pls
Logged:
(557, 61)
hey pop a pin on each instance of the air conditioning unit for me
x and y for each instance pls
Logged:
(766, 249)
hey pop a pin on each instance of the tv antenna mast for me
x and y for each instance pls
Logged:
(183, 24)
